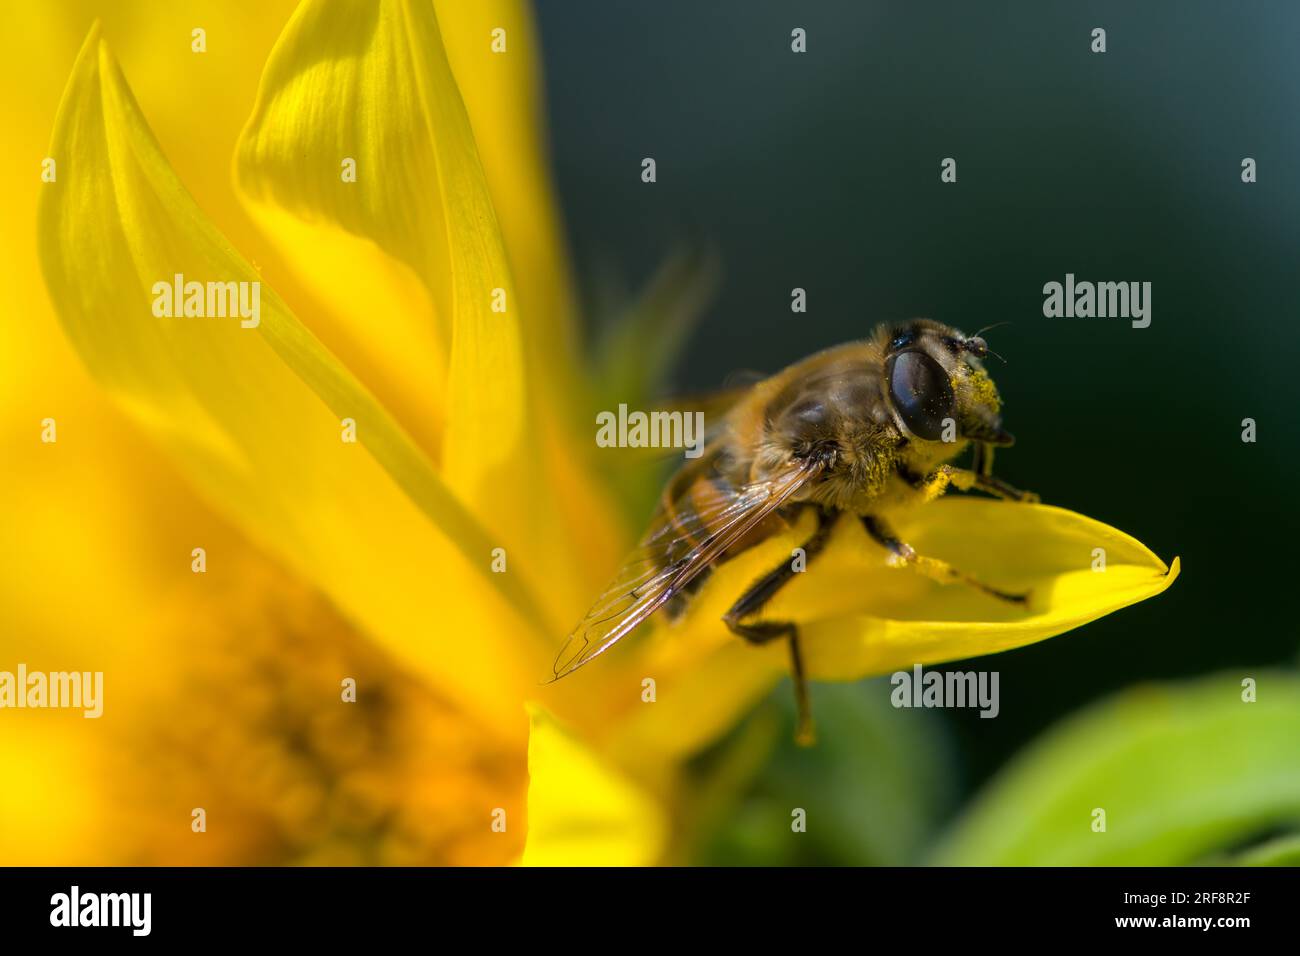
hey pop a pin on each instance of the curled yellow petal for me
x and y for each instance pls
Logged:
(1073, 568)
(253, 410)
(359, 148)
(370, 82)
(495, 54)
(859, 616)
(581, 810)
(494, 51)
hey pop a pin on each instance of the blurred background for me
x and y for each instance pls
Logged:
(821, 171)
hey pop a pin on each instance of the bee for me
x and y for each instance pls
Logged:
(861, 429)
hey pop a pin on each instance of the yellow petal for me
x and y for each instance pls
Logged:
(253, 414)
(198, 101)
(581, 811)
(366, 305)
(860, 617)
(502, 93)
(1050, 553)
(369, 81)
(50, 814)
(421, 204)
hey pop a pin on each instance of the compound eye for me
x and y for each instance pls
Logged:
(921, 392)
(901, 341)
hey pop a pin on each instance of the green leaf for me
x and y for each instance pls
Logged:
(873, 790)
(644, 341)
(1181, 771)
(1282, 851)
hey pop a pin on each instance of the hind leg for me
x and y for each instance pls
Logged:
(761, 632)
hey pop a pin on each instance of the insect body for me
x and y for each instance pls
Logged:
(860, 429)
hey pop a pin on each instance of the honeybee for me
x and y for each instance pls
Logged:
(858, 429)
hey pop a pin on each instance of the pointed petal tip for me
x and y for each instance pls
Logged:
(94, 47)
(92, 60)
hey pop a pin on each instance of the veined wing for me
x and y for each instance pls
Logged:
(687, 536)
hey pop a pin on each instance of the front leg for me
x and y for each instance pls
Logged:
(904, 555)
(963, 479)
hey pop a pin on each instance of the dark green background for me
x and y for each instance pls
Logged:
(821, 170)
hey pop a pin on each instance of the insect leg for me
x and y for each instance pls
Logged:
(936, 484)
(941, 571)
(761, 632)
(996, 486)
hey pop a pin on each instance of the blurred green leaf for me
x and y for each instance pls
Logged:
(1281, 851)
(644, 340)
(641, 342)
(1181, 771)
(874, 789)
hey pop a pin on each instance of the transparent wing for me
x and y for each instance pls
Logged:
(685, 538)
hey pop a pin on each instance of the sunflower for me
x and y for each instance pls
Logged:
(325, 558)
